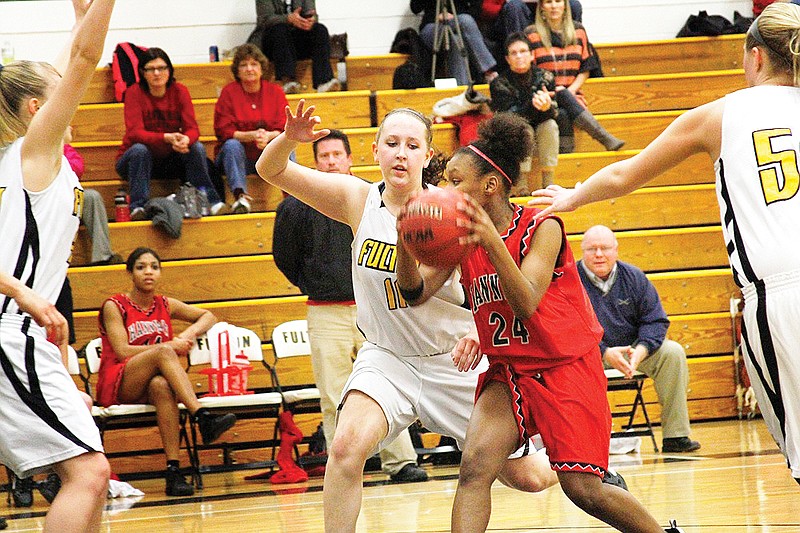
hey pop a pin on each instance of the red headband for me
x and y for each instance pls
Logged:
(486, 157)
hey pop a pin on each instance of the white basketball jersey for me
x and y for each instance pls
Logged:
(37, 227)
(384, 317)
(758, 180)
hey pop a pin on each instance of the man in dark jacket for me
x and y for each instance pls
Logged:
(635, 328)
(288, 35)
(313, 252)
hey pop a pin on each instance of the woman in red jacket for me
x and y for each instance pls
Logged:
(161, 135)
(248, 115)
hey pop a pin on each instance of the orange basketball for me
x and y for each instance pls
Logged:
(429, 230)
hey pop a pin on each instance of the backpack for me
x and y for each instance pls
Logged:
(415, 72)
(704, 24)
(125, 67)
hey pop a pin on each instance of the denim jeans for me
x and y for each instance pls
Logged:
(475, 46)
(138, 166)
(232, 161)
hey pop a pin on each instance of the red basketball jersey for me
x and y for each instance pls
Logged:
(145, 327)
(563, 328)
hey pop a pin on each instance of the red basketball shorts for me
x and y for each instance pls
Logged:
(566, 404)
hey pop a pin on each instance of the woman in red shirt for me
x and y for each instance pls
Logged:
(561, 46)
(249, 113)
(139, 360)
(161, 135)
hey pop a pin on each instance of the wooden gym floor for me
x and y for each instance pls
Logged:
(738, 482)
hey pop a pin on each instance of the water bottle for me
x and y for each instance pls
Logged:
(122, 207)
(7, 53)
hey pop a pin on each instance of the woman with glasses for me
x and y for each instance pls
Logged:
(161, 135)
(752, 136)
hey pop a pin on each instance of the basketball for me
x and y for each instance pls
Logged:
(429, 228)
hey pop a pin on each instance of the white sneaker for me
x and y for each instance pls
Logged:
(292, 87)
(242, 205)
(138, 214)
(220, 208)
(330, 86)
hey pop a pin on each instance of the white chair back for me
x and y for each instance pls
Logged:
(72, 362)
(242, 340)
(290, 339)
(93, 350)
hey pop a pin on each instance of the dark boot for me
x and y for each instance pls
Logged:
(589, 124)
(211, 426)
(176, 483)
(49, 487)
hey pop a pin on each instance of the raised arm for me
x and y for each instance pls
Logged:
(42, 147)
(338, 196)
(698, 130)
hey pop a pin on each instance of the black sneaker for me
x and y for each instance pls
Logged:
(410, 473)
(679, 445)
(612, 477)
(673, 528)
(211, 426)
(49, 487)
(3, 523)
(176, 483)
(22, 491)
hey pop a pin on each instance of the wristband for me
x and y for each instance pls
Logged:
(412, 295)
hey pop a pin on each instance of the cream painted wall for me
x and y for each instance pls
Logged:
(186, 28)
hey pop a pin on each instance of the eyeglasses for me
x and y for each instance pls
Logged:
(594, 249)
(156, 69)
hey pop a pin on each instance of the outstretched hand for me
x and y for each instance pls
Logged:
(300, 125)
(555, 197)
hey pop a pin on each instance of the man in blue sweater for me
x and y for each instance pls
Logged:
(313, 252)
(635, 324)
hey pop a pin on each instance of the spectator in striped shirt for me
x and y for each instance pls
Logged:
(561, 46)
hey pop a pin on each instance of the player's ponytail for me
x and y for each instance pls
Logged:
(777, 32)
(504, 140)
(19, 82)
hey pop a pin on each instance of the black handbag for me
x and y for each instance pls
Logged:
(703, 24)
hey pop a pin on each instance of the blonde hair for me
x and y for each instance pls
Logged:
(19, 82)
(777, 32)
(543, 28)
(414, 113)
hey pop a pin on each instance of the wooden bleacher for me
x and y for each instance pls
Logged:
(670, 228)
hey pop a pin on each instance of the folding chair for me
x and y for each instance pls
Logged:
(618, 382)
(123, 416)
(244, 406)
(290, 339)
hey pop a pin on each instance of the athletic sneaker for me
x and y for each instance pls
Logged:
(220, 208)
(292, 87)
(410, 473)
(49, 487)
(138, 214)
(176, 483)
(611, 477)
(22, 491)
(242, 204)
(211, 426)
(329, 86)
(673, 528)
(679, 445)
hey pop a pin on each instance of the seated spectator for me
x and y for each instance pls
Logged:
(286, 35)
(635, 328)
(249, 113)
(161, 135)
(525, 90)
(504, 17)
(468, 12)
(562, 47)
(94, 216)
(140, 359)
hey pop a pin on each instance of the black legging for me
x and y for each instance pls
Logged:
(284, 44)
